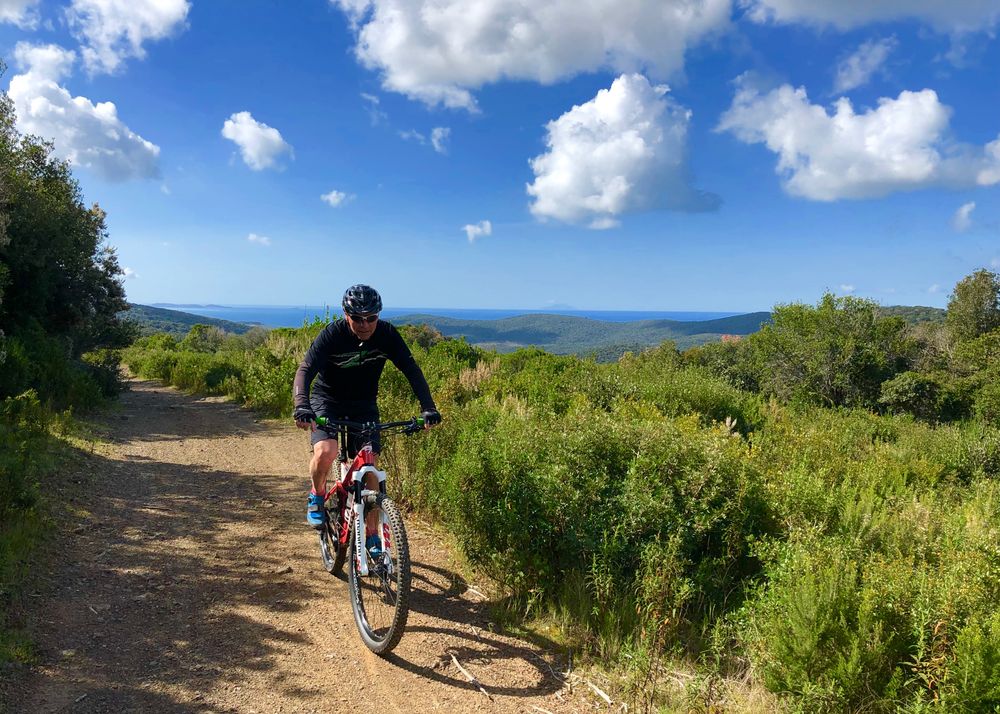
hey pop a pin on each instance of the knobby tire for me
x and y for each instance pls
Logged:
(381, 638)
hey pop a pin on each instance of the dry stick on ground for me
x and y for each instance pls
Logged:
(468, 676)
(539, 709)
(599, 692)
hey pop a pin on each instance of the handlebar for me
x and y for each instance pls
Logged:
(409, 426)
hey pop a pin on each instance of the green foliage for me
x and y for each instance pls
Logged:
(203, 338)
(915, 314)
(24, 460)
(975, 683)
(987, 405)
(58, 271)
(935, 396)
(733, 360)
(826, 633)
(837, 353)
(974, 305)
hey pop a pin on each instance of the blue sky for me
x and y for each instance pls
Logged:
(667, 155)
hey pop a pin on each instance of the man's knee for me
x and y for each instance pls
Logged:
(324, 454)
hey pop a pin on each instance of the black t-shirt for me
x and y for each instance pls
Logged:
(347, 370)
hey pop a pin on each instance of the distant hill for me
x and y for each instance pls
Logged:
(175, 322)
(916, 313)
(560, 334)
(564, 334)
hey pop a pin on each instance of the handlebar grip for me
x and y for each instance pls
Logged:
(321, 421)
(419, 421)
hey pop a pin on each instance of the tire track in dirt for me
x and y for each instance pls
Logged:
(172, 592)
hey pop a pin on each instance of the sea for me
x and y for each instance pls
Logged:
(288, 316)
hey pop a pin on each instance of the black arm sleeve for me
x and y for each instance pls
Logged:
(307, 370)
(401, 356)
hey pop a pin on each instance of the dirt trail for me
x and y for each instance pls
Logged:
(174, 592)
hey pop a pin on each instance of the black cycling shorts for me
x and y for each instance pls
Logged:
(352, 411)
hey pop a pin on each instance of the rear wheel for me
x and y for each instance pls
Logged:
(380, 600)
(332, 552)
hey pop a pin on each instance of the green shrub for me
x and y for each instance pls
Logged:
(154, 363)
(826, 632)
(912, 393)
(974, 683)
(987, 402)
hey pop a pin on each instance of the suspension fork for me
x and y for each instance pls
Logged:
(363, 496)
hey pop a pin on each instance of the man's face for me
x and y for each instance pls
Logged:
(363, 326)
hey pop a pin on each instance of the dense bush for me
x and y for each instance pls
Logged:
(836, 354)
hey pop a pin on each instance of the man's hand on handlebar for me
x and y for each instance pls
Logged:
(305, 418)
(431, 417)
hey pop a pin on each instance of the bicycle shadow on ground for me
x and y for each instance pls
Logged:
(502, 665)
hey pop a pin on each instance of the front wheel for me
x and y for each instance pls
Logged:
(380, 600)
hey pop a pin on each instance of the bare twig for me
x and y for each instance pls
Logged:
(471, 589)
(599, 692)
(539, 709)
(468, 676)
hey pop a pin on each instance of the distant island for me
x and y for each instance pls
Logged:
(559, 334)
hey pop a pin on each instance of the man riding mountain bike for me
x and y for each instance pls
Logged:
(346, 360)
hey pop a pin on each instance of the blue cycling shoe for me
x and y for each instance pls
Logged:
(315, 511)
(373, 545)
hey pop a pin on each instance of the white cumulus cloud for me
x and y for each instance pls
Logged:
(85, 134)
(478, 230)
(621, 152)
(110, 31)
(952, 16)
(935, 288)
(439, 139)
(902, 144)
(857, 69)
(847, 289)
(438, 50)
(19, 12)
(261, 146)
(336, 198)
(259, 240)
(129, 273)
(962, 220)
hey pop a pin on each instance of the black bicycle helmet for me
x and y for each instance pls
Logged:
(362, 300)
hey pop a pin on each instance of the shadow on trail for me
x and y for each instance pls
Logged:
(436, 592)
(155, 588)
(188, 416)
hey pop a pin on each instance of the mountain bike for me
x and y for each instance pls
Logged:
(379, 586)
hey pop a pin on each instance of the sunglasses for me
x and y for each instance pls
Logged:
(370, 319)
